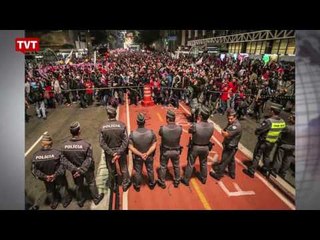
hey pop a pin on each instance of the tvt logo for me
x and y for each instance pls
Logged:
(27, 45)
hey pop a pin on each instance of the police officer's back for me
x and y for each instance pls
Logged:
(199, 146)
(142, 143)
(232, 135)
(170, 149)
(47, 166)
(79, 161)
(114, 142)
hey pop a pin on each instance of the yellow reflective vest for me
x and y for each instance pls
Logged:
(275, 130)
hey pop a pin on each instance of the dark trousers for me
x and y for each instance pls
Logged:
(58, 187)
(112, 170)
(175, 102)
(89, 99)
(174, 155)
(138, 165)
(257, 110)
(227, 160)
(74, 95)
(263, 150)
(67, 97)
(223, 106)
(121, 97)
(50, 103)
(283, 159)
(133, 98)
(83, 102)
(79, 182)
(201, 152)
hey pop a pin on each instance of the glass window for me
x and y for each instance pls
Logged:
(248, 47)
(258, 49)
(263, 47)
(236, 48)
(275, 47)
(253, 47)
(291, 46)
(283, 46)
(232, 48)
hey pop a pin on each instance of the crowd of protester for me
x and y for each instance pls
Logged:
(219, 83)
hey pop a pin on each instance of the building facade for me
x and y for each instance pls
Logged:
(281, 42)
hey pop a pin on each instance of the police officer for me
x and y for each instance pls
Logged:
(232, 135)
(114, 142)
(170, 149)
(268, 133)
(47, 166)
(142, 143)
(199, 146)
(79, 161)
(285, 152)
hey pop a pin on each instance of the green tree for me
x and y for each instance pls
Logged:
(148, 37)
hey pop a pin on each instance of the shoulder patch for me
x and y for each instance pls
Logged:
(234, 127)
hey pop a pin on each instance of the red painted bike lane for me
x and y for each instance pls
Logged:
(242, 193)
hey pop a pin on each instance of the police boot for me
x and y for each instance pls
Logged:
(176, 183)
(127, 186)
(66, 203)
(248, 172)
(201, 179)
(185, 182)
(152, 185)
(273, 173)
(81, 203)
(54, 204)
(215, 175)
(232, 175)
(137, 188)
(98, 199)
(265, 171)
(161, 184)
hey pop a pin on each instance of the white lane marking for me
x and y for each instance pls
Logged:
(237, 187)
(238, 193)
(276, 192)
(125, 194)
(35, 144)
(101, 178)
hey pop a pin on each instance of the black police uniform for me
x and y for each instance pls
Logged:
(170, 149)
(230, 147)
(47, 162)
(285, 153)
(199, 147)
(79, 157)
(142, 139)
(114, 139)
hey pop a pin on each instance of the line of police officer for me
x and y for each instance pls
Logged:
(142, 143)
(49, 164)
